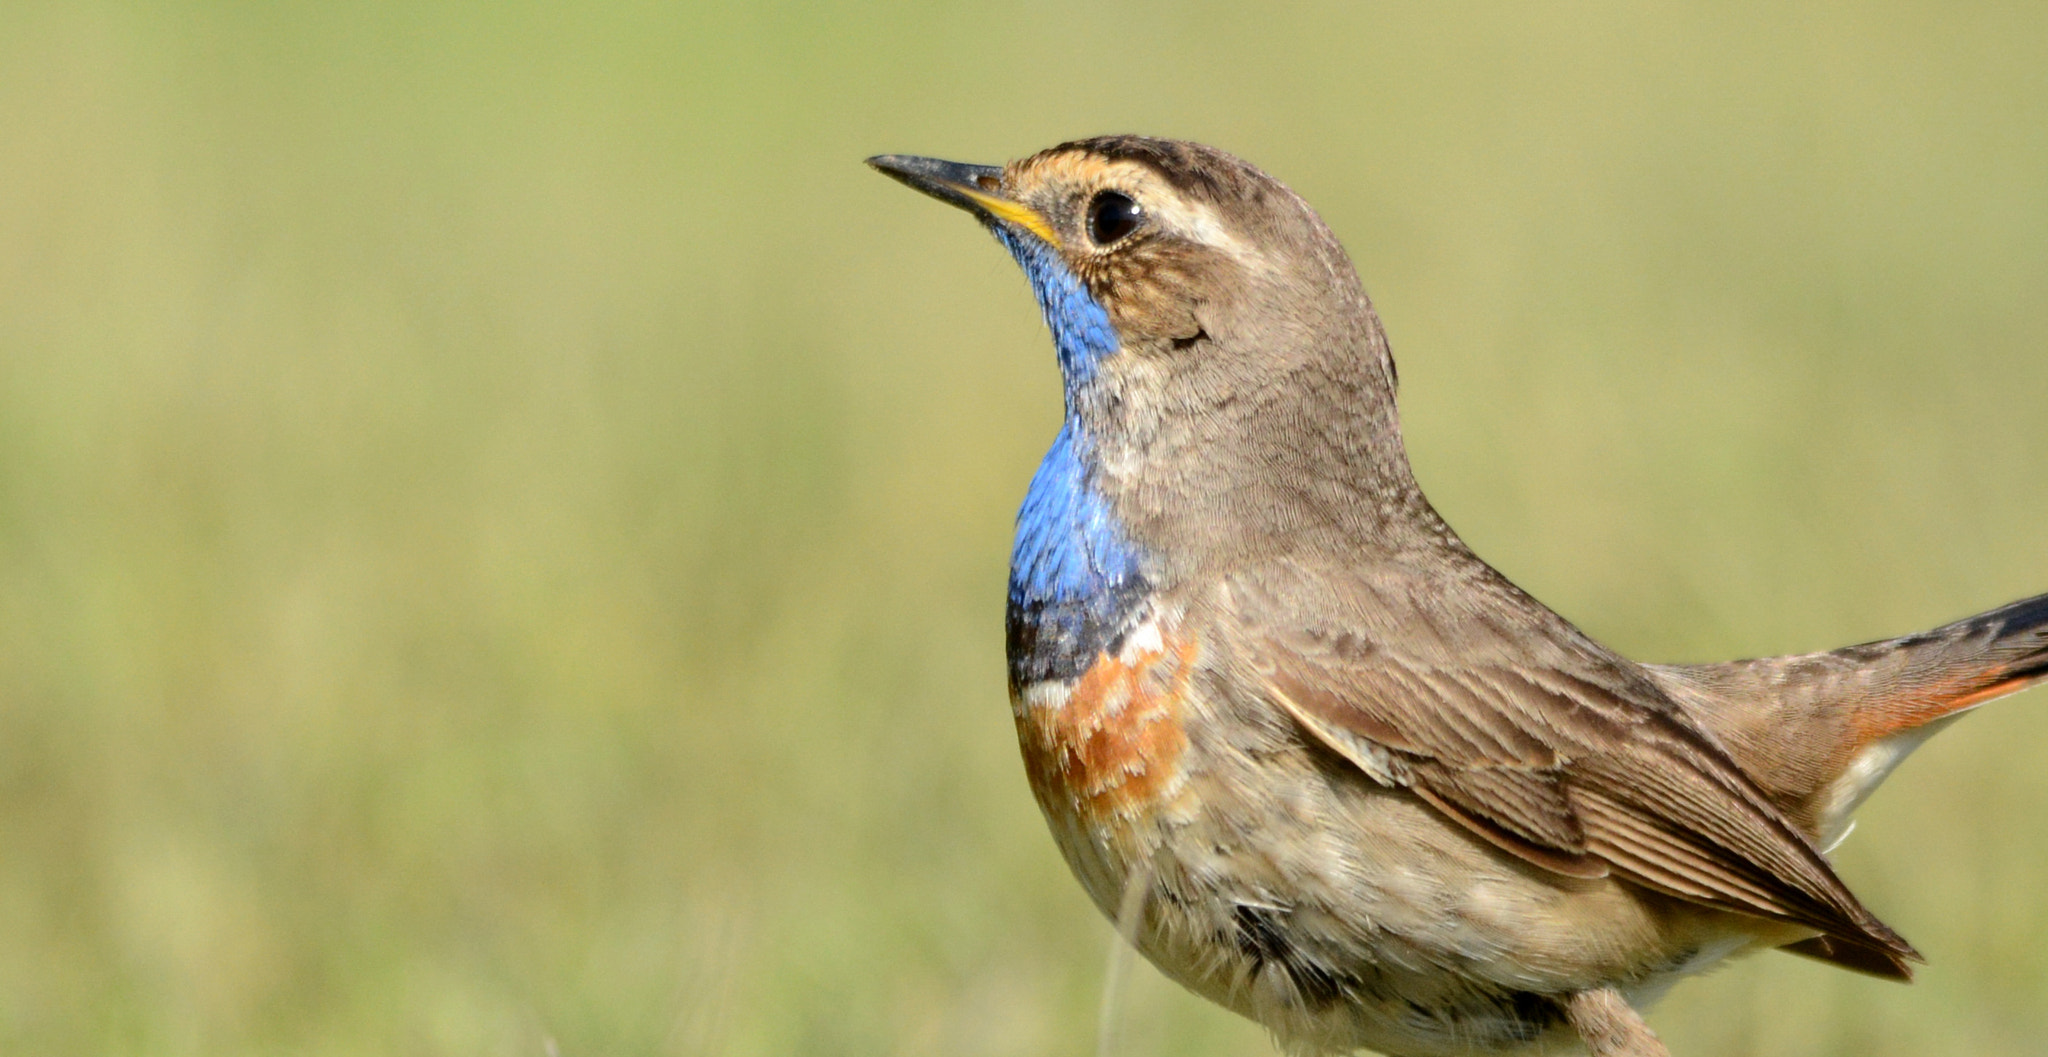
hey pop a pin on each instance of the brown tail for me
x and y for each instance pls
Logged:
(1798, 724)
(1819, 731)
(1953, 668)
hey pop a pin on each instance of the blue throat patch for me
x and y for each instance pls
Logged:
(1075, 582)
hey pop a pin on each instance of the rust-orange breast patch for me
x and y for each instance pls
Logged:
(1114, 745)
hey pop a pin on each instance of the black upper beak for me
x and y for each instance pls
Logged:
(947, 181)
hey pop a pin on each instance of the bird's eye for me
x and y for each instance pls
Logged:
(1111, 216)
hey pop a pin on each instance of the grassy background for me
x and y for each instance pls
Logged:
(502, 517)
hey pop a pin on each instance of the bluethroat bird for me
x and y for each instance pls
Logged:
(1323, 764)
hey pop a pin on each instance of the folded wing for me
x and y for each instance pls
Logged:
(1560, 754)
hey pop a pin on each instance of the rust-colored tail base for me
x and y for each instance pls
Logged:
(1918, 679)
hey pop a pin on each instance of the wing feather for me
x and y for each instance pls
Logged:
(1567, 757)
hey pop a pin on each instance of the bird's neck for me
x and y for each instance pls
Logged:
(1077, 581)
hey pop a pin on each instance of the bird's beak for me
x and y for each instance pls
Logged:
(975, 188)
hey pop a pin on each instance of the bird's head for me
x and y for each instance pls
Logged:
(1204, 315)
(1182, 248)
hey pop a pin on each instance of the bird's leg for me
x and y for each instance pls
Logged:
(1611, 1027)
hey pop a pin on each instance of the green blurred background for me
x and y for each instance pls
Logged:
(503, 518)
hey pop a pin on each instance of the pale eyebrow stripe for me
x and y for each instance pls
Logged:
(1198, 221)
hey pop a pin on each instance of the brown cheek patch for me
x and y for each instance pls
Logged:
(1114, 746)
(1150, 285)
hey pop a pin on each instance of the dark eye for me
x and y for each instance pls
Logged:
(1111, 216)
